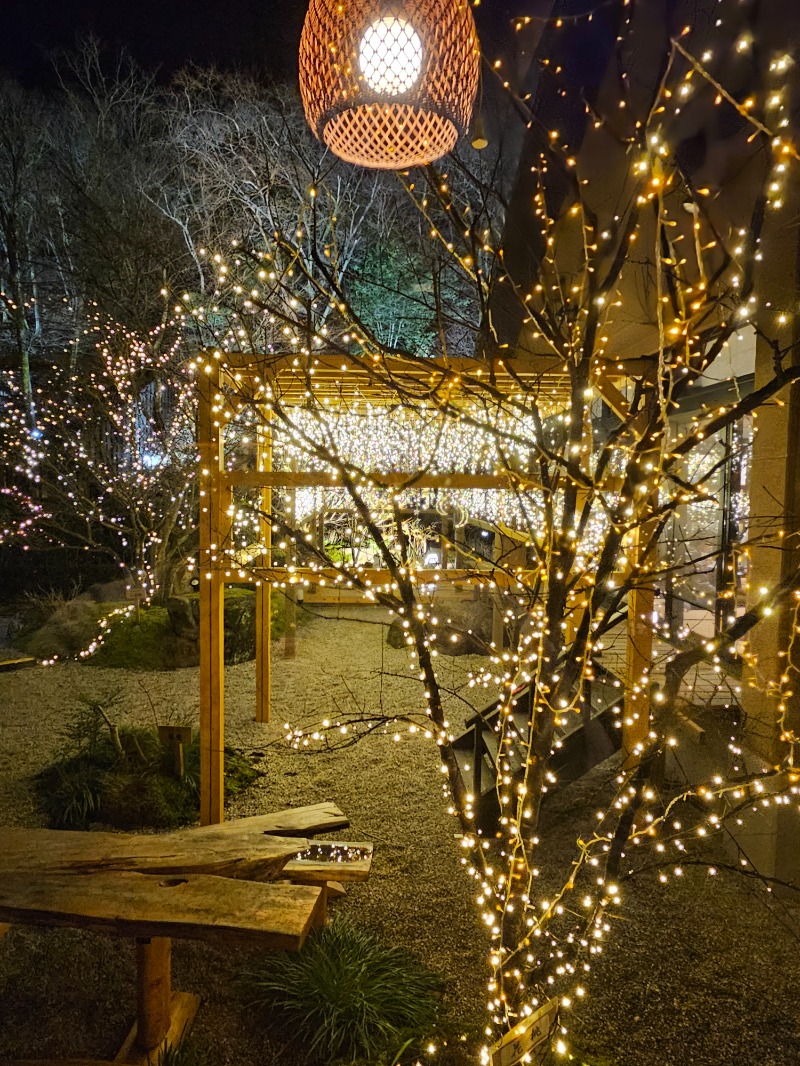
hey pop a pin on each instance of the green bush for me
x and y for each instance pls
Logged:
(69, 792)
(349, 996)
(124, 777)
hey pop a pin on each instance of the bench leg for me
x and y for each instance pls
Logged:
(162, 1016)
(321, 913)
(153, 990)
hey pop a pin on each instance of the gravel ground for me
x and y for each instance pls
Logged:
(703, 973)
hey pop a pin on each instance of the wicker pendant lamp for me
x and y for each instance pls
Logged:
(389, 84)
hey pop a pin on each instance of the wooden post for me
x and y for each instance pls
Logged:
(290, 639)
(212, 593)
(176, 737)
(154, 991)
(263, 588)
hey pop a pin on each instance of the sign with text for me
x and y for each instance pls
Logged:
(526, 1036)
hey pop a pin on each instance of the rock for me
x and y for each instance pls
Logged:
(466, 631)
(396, 635)
(182, 643)
(106, 592)
(182, 616)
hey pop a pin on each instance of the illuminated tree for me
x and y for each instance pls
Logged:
(109, 467)
(645, 250)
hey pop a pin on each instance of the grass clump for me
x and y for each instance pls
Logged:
(353, 999)
(188, 1053)
(121, 775)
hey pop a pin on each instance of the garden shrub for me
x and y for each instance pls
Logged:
(153, 638)
(121, 775)
(349, 997)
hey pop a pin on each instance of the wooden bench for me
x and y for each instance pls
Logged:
(216, 883)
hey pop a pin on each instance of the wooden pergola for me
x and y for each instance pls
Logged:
(340, 382)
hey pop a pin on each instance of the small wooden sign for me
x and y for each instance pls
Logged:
(176, 737)
(136, 594)
(526, 1036)
(175, 734)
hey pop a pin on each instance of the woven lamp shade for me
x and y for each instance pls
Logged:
(389, 85)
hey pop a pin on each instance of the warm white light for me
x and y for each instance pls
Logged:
(390, 56)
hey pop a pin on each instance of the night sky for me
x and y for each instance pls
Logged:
(259, 36)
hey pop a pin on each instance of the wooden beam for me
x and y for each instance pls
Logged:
(263, 588)
(372, 578)
(612, 396)
(414, 480)
(183, 1007)
(212, 592)
(153, 991)
(318, 869)
(639, 657)
(638, 663)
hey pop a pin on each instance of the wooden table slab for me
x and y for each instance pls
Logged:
(240, 852)
(294, 821)
(199, 907)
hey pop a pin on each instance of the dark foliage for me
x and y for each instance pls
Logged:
(122, 776)
(347, 997)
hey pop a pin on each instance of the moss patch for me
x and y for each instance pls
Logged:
(133, 643)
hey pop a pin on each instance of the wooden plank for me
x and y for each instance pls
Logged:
(294, 821)
(241, 852)
(526, 1036)
(346, 861)
(212, 909)
(20, 663)
(182, 1011)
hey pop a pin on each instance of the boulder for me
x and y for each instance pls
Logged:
(182, 642)
(465, 627)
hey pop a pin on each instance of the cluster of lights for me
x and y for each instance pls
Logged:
(105, 625)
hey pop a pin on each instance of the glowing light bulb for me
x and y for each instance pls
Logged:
(390, 55)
